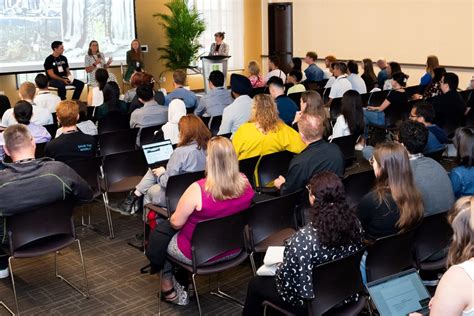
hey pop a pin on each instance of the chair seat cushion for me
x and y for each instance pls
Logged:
(44, 246)
(158, 209)
(433, 265)
(213, 268)
(276, 239)
(352, 308)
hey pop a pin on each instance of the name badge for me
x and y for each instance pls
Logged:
(60, 68)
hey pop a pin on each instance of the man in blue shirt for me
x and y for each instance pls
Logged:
(214, 102)
(424, 113)
(179, 92)
(313, 72)
(286, 106)
(383, 74)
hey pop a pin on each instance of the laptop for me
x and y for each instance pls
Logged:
(400, 294)
(158, 153)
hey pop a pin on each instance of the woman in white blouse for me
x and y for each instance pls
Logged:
(95, 60)
(351, 119)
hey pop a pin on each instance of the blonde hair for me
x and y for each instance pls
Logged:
(265, 113)
(27, 90)
(431, 63)
(254, 68)
(223, 179)
(461, 219)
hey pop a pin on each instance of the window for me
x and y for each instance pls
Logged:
(223, 16)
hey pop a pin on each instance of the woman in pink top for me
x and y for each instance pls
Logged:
(256, 78)
(224, 191)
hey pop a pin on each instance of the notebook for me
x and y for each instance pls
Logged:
(273, 257)
(400, 294)
(157, 153)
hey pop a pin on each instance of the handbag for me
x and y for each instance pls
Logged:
(157, 246)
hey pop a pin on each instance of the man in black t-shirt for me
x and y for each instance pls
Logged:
(57, 71)
(72, 143)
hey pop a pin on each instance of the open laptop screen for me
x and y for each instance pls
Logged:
(157, 152)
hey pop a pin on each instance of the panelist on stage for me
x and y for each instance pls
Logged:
(219, 48)
(57, 71)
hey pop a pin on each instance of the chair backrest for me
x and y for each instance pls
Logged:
(325, 95)
(259, 90)
(270, 216)
(52, 128)
(4, 104)
(347, 146)
(42, 222)
(335, 108)
(389, 255)
(335, 281)
(433, 235)
(39, 151)
(177, 185)
(215, 124)
(466, 95)
(413, 89)
(358, 184)
(376, 98)
(217, 236)
(118, 141)
(119, 166)
(113, 121)
(272, 165)
(247, 167)
(205, 120)
(296, 97)
(226, 135)
(151, 134)
(89, 170)
(436, 155)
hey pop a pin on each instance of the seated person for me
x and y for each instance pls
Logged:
(294, 77)
(274, 69)
(238, 112)
(22, 113)
(218, 97)
(351, 119)
(224, 192)
(318, 156)
(176, 110)
(180, 92)
(83, 124)
(392, 68)
(383, 73)
(41, 116)
(265, 133)
(95, 97)
(144, 78)
(462, 176)
(112, 102)
(189, 156)
(151, 113)
(423, 113)
(43, 181)
(135, 81)
(356, 81)
(72, 144)
(312, 103)
(431, 63)
(285, 105)
(313, 72)
(255, 77)
(44, 98)
(57, 71)
(334, 232)
(341, 84)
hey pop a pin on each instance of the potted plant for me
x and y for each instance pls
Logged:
(183, 26)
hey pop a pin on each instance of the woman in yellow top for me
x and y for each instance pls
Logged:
(265, 133)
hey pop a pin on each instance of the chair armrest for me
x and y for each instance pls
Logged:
(267, 304)
(157, 209)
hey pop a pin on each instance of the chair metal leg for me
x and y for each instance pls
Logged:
(85, 291)
(224, 295)
(159, 292)
(252, 262)
(108, 215)
(196, 293)
(10, 267)
(7, 308)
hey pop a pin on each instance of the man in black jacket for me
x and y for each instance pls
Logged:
(27, 182)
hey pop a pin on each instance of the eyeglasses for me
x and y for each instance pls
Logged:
(371, 160)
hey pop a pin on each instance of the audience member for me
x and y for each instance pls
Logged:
(22, 113)
(41, 180)
(112, 102)
(218, 97)
(294, 77)
(313, 72)
(41, 116)
(423, 112)
(449, 106)
(462, 176)
(176, 111)
(392, 68)
(434, 88)
(311, 103)
(431, 179)
(351, 119)
(295, 64)
(318, 156)
(135, 80)
(238, 112)
(383, 74)
(334, 232)
(255, 77)
(341, 84)
(328, 60)
(275, 71)
(72, 143)
(44, 98)
(57, 71)
(180, 92)
(144, 78)
(224, 192)
(285, 105)
(189, 156)
(368, 75)
(431, 63)
(95, 97)
(332, 77)
(356, 81)
(151, 113)
(96, 60)
(265, 133)
(83, 124)
(135, 58)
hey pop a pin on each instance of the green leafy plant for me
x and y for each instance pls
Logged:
(183, 27)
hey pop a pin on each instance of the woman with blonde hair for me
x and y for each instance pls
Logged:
(265, 133)
(224, 192)
(311, 103)
(431, 63)
(256, 78)
(454, 293)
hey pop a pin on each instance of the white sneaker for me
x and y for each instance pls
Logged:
(4, 273)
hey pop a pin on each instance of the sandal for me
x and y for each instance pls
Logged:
(180, 298)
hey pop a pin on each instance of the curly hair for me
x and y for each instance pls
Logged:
(265, 113)
(334, 219)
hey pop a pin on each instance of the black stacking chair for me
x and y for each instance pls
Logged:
(151, 134)
(215, 124)
(335, 108)
(436, 155)
(117, 141)
(205, 120)
(270, 167)
(376, 98)
(256, 91)
(358, 184)
(113, 121)
(39, 151)
(52, 128)
(296, 97)
(247, 167)
(347, 146)
(4, 104)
